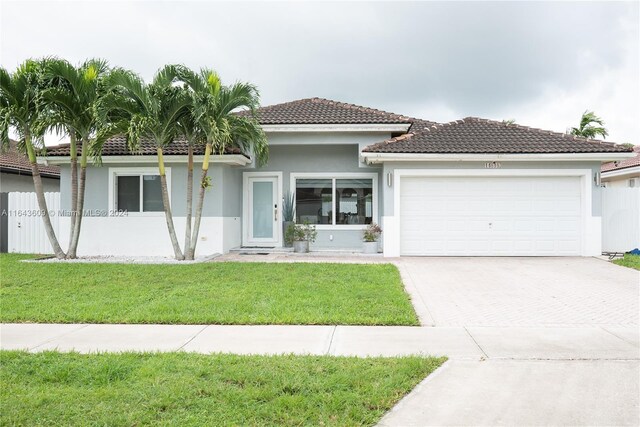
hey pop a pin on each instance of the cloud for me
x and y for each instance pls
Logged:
(542, 63)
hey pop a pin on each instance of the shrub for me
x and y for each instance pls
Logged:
(372, 232)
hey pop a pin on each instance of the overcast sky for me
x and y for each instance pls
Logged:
(542, 64)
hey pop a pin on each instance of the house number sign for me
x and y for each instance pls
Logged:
(492, 165)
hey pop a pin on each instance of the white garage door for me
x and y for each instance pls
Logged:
(502, 216)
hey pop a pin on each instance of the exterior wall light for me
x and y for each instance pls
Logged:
(389, 179)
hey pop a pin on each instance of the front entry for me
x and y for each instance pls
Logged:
(262, 222)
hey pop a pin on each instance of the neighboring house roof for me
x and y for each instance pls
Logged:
(117, 146)
(623, 164)
(473, 135)
(11, 161)
(324, 111)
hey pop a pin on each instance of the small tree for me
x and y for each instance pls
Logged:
(70, 101)
(20, 109)
(590, 126)
(150, 111)
(214, 109)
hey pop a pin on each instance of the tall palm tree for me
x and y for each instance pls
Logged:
(71, 99)
(214, 109)
(20, 96)
(149, 111)
(195, 138)
(590, 126)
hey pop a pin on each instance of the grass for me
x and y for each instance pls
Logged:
(207, 293)
(631, 261)
(185, 389)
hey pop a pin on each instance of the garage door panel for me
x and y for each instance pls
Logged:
(557, 206)
(490, 216)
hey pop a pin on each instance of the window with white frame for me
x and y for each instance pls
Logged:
(335, 200)
(137, 192)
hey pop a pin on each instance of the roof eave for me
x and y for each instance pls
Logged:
(228, 159)
(25, 172)
(376, 158)
(621, 172)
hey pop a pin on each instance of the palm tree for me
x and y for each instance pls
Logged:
(195, 137)
(214, 109)
(150, 111)
(20, 109)
(590, 126)
(71, 97)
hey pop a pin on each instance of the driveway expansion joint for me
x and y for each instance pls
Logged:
(486, 356)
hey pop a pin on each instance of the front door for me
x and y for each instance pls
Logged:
(263, 212)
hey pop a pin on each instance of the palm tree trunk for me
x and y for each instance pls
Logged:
(74, 186)
(42, 202)
(187, 232)
(167, 207)
(73, 247)
(203, 188)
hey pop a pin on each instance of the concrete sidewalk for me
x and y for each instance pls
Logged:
(494, 376)
(598, 343)
(523, 392)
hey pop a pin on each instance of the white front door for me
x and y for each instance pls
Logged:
(263, 226)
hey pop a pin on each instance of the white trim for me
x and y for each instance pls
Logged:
(381, 127)
(246, 240)
(620, 172)
(589, 246)
(339, 175)
(229, 159)
(135, 171)
(374, 158)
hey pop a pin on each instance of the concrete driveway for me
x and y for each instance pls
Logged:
(524, 313)
(513, 292)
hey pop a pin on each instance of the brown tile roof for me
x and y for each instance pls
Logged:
(324, 111)
(117, 146)
(473, 135)
(12, 161)
(623, 164)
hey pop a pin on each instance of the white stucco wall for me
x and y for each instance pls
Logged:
(148, 235)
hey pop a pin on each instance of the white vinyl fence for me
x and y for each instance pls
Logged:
(620, 219)
(26, 232)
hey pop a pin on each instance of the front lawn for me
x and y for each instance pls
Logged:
(185, 389)
(208, 293)
(631, 261)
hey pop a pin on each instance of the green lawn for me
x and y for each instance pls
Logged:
(207, 293)
(631, 261)
(185, 389)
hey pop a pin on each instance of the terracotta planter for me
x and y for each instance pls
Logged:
(301, 246)
(370, 247)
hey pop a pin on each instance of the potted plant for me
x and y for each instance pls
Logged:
(288, 212)
(370, 238)
(301, 235)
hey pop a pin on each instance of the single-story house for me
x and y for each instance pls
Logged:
(469, 187)
(15, 173)
(622, 173)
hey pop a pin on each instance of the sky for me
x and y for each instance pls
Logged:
(540, 63)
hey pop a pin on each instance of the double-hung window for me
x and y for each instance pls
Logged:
(338, 200)
(136, 192)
